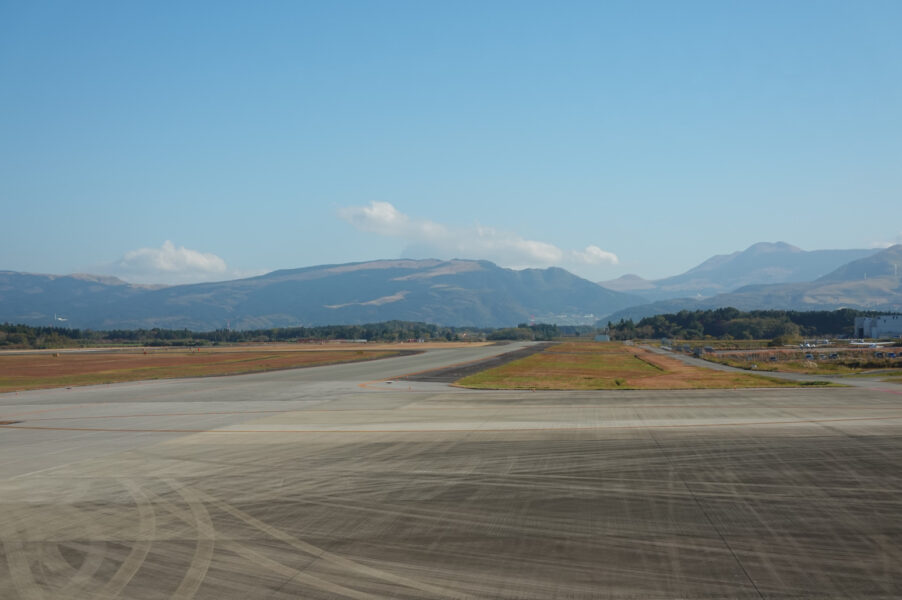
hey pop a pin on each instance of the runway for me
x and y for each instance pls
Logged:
(348, 482)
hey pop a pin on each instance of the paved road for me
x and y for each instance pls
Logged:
(865, 382)
(327, 483)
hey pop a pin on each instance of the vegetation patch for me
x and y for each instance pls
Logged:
(36, 371)
(608, 365)
(784, 326)
(848, 363)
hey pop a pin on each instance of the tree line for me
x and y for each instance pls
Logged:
(25, 336)
(731, 323)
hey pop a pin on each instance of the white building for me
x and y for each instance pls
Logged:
(884, 326)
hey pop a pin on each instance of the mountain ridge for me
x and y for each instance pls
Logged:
(869, 283)
(451, 292)
(455, 292)
(760, 263)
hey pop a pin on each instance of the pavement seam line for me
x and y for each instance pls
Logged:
(698, 503)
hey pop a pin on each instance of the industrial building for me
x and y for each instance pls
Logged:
(883, 326)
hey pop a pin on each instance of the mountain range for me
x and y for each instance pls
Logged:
(459, 292)
(871, 283)
(762, 263)
(455, 292)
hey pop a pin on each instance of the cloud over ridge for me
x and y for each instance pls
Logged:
(887, 244)
(430, 239)
(169, 263)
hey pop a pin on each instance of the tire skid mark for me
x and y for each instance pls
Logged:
(203, 551)
(446, 516)
(367, 384)
(94, 557)
(788, 543)
(52, 563)
(498, 408)
(49, 559)
(673, 495)
(147, 525)
(470, 429)
(887, 550)
(325, 555)
(296, 575)
(95, 547)
(290, 572)
(17, 559)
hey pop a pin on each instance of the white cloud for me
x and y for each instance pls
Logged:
(898, 240)
(427, 239)
(593, 255)
(169, 264)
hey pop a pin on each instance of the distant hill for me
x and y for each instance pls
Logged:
(30, 298)
(630, 284)
(455, 292)
(762, 263)
(869, 283)
(883, 264)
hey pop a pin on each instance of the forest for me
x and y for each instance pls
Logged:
(28, 337)
(731, 323)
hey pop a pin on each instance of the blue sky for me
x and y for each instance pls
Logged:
(186, 141)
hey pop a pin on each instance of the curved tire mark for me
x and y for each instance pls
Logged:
(52, 563)
(203, 551)
(255, 557)
(147, 526)
(298, 575)
(335, 559)
(17, 557)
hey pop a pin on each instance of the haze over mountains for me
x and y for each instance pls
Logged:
(456, 292)
(459, 292)
(761, 263)
(871, 282)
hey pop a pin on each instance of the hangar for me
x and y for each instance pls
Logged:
(883, 326)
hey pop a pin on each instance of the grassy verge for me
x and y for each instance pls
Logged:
(792, 366)
(850, 367)
(29, 372)
(609, 365)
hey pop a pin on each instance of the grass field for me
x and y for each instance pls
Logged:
(605, 366)
(718, 344)
(64, 369)
(849, 363)
(789, 366)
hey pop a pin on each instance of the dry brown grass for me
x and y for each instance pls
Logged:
(63, 369)
(259, 346)
(607, 365)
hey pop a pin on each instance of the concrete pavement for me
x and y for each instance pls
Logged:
(333, 483)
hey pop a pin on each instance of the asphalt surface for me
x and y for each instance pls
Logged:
(459, 371)
(347, 482)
